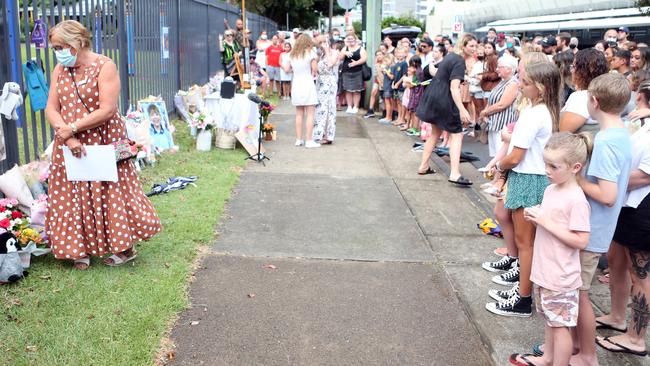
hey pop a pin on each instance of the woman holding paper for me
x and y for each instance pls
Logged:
(90, 218)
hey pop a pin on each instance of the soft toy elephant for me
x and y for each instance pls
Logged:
(11, 268)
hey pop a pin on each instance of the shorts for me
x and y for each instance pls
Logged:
(559, 308)
(387, 93)
(526, 190)
(273, 72)
(398, 94)
(588, 265)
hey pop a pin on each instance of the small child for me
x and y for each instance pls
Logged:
(605, 186)
(377, 83)
(398, 71)
(415, 64)
(388, 90)
(407, 83)
(563, 228)
(285, 77)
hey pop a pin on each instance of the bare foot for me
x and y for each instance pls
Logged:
(608, 322)
(581, 360)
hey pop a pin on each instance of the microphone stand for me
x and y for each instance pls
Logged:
(259, 157)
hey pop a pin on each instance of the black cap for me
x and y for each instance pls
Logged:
(549, 42)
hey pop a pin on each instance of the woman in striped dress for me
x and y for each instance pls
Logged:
(501, 108)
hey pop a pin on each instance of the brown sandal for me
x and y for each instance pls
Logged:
(122, 258)
(81, 264)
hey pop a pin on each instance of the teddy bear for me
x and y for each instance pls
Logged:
(11, 268)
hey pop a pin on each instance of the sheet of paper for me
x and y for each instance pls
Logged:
(97, 165)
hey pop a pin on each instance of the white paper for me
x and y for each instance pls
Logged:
(97, 165)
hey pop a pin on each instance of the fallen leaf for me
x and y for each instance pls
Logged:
(167, 265)
(91, 317)
(251, 295)
(270, 266)
(31, 348)
(46, 277)
(171, 355)
(118, 312)
(194, 322)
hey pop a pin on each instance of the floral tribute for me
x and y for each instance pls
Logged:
(202, 121)
(13, 219)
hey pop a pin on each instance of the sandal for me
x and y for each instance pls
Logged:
(116, 260)
(403, 127)
(603, 325)
(524, 357)
(81, 264)
(461, 181)
(621, 348)
(428, 171)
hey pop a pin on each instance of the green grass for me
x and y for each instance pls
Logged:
(117, 316)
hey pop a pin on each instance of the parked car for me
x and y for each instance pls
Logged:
(397, 32)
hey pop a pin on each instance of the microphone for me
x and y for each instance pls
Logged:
(257, 100)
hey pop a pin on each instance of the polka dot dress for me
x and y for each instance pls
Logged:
(94, 218)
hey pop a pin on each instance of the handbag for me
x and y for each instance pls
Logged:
(124, 148)
(366, 72)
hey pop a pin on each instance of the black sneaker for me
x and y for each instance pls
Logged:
(509, 278)
(502, 295)
(370, 114)
(514, 306)
(503, 264)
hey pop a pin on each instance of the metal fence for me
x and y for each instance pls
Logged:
(159, 46)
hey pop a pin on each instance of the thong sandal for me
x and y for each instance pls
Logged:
(524, 357)
(81, 264)
(115, 260)
(428, 171)
(602, 325)
(622, 348)
(461, 181)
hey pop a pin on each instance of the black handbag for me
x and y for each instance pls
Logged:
(366, 72)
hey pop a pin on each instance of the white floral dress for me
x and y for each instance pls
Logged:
(326, 87)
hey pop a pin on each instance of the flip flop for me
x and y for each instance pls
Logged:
(461, 181)
(601, 325)
(537, 350)
(513, 359)
(428, 171)
(622, 348)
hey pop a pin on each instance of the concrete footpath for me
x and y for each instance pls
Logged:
(344, 256)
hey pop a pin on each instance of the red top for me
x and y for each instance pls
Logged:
(273, 55)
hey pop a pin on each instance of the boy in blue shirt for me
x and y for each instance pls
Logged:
(399, 70)
(605, 186)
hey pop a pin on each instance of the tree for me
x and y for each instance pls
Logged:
(357, 27)
(407, 20)
(641, 4)
(302, 13)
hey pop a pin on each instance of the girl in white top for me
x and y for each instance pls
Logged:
(527, 177)
(303, 62)
(262, 44)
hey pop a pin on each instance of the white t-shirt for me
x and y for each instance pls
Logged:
(640, 161)
(577, 103)
(532, 131)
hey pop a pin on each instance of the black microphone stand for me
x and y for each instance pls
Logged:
(259, 157)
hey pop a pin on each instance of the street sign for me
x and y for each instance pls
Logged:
(458, 27)
(347, 4)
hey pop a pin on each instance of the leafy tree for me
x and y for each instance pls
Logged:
(357, 27)
(641, 4)
(408, 20)
(302, 13)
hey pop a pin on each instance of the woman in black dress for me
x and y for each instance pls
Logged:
(442, 107)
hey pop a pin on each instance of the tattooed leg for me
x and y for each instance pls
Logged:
(640, 312)
(640, 263)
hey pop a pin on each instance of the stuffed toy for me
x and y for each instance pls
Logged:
(490, 227)
(10, 100)
(11, 268)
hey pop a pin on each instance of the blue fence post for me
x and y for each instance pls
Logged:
(10, 13)
(123, 65)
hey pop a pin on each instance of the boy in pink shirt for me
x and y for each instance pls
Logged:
(562, 231)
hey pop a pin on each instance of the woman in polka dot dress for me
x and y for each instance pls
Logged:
(90, 218)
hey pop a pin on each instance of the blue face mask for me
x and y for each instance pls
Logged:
(65, 57)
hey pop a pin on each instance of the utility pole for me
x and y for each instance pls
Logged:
(372, 17)
(331, 15)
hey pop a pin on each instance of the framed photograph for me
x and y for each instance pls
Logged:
(155, 116)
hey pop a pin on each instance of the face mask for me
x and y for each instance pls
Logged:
(263, 36)
(65, 57)
(508, 45)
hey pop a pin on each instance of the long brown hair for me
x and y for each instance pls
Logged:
(302, 47)
(546, 78)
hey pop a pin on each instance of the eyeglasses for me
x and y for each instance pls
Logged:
(58, 48)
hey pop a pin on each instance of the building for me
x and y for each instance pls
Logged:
(423, 9)
(396, 8)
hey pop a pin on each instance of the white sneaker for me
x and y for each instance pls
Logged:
(311, 144)
(349, 110)
(355, 110)
(299, 143)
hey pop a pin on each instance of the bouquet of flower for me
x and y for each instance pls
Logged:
(31, 235)
(268, 127)
(202, 121)
(266, 110)
(134, 116)
(11, 217)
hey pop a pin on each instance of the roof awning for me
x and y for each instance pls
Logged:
(634, 21)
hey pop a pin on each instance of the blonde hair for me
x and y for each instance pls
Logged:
(546, 78)
(72, 33)
(529, 58)
(467, 38)
(575, 147)
(301, 48)
(612, 91)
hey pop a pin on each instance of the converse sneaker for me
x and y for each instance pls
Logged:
(502, 295)
(503, 264)
(385, 121)
(509, 278)
(514, 306)
(349, 110)
(299, 143)
(370, 114)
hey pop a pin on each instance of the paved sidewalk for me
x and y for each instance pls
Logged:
(343, 256)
